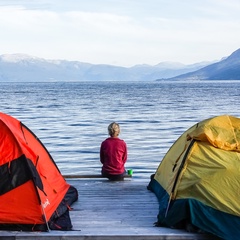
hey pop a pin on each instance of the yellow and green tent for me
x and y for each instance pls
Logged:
(198, 180)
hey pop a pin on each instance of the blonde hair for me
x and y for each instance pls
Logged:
(113, 129)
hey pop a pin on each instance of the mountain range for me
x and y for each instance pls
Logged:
(21, 67)
(25, 68)
(226, 69)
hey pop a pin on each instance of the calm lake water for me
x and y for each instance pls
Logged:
(71, 118)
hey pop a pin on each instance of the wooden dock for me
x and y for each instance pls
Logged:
(111, 211)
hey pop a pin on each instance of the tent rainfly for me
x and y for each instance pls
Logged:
(33, 193)
(198, 180)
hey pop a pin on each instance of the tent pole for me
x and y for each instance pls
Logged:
(170, 198)
(178, 174)
(45, 218)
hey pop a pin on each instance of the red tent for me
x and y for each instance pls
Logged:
(33, 193)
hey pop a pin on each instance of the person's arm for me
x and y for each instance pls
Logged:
(125, 153)
(101, 154)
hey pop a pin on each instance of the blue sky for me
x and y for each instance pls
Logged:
(121, 32)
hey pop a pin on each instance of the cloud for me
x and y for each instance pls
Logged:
(125, 34)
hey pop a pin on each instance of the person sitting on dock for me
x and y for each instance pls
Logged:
(113, 154)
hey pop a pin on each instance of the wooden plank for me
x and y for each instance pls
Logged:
(91, 176)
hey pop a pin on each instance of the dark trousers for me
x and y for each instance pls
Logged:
(118, 177)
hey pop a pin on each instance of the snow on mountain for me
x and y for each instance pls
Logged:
(18, 57)
(22, 67)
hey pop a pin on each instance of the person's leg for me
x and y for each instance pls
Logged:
(119, 177)
(116, 177)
